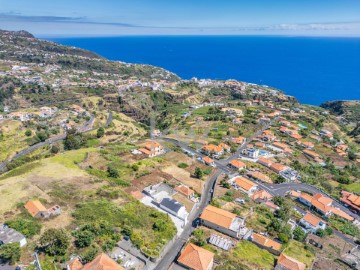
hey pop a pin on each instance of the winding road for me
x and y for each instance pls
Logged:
(87, 127)
(274, 189)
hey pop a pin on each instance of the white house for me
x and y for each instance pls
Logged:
(251, 153)
(175, 208)
(311, 223)
(9, 235)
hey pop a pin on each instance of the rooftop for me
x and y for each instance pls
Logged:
(196, 257)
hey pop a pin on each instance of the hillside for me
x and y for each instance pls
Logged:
(350, 110)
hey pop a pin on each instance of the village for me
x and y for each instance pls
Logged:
(129, 169)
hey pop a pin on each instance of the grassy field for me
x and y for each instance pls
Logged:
(253, 256)
(13, 138)
(298, 251)
(38, 179)
(354, 187)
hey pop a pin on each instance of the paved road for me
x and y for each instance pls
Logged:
(274, 189)
(167, 259)
(87, 127)
(206, 197)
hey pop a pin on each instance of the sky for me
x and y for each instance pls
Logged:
(76, 18)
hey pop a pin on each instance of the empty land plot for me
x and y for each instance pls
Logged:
(184, 177)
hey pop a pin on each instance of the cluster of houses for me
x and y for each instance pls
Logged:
(227, 223)
(44, 112)
(321, 204)
(283, 170)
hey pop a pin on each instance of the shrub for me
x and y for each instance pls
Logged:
(28, 227)
(183, 165)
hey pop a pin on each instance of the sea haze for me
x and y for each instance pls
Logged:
(313, 69)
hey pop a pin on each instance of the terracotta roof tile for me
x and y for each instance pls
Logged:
(34, 207)
(102, 262)
(266, 242)
(244, 183)
(208, 160)
(218, 216)
(312, 219)
(290, 263)
(184, 190)
(196, 257)
(341, 213)
(260, 176)
(237, 163)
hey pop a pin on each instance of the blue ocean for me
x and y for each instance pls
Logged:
(312, 69)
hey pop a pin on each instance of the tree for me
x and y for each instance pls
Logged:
(279, 179)
(112, 172)
(199, 237)
(299, 234)
(83, 238)
(283, 237)
(42, 136)
(328, 231)
(55, 242)
(199, 173)
(55, 149)
(279, 201)
(28, 133)
(100, 132)
(27, 226)
(73, 140)
(320, 232)
(10, 252)
(352, 155)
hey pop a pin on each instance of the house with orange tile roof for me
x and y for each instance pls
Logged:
(239, 140)
(267, 137)
(278, 168)
(37, 210)
(285, 262)
(223, 221)
(151, 149)
(209, 161)
(212, 150)
(261, 195)
(305, 198)
(305, 144)
(185, 191)
(196, 258)
(294, 194)
(295, 136)
(322, 204)
(226, 147)
(260, 176)
(282, 146)
(350, 200)
(342, 214)
(311, 154)
(101, 262)
(266, 243)
(245, 185)
(265, 162)
(237, 164)
(311, 223)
